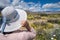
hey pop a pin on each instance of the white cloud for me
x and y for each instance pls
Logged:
(22, 5)
(15, 2)
(29, 6)
(52, 5)
(4, 3)
(34, 7)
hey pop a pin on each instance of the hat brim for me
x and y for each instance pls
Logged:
(16, 25)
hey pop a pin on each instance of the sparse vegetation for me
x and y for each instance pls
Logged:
(44, 24)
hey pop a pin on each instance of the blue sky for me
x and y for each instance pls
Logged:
(42, 1)
(32, 5)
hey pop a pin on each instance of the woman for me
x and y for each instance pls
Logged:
(28, 34)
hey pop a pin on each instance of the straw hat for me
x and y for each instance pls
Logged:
(14, 18)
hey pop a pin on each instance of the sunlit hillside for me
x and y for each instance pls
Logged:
(47, 26)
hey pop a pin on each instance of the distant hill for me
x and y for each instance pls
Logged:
(44, 12)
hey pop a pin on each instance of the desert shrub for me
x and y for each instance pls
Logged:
(54, 15)
(30, 17)
(34, 26)
(43, 15)
(49, 25)
(37, 23)
(37, 17)
(58, 22)
(40, 34)
(43, 25)
(54, 21)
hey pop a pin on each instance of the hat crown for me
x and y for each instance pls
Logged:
(8, 10)
(10, 13)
